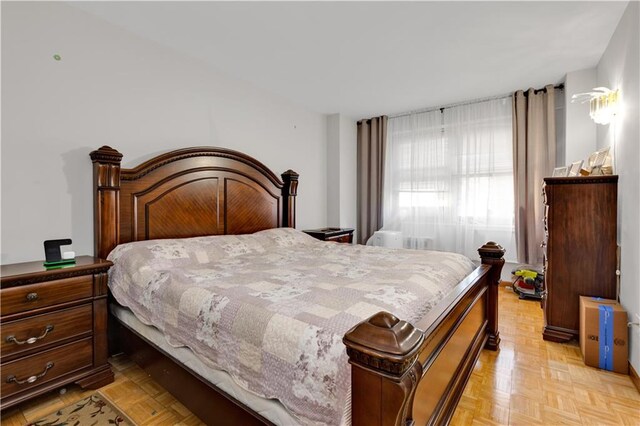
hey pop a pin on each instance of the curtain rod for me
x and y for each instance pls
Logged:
(475, 101)
(544, 89)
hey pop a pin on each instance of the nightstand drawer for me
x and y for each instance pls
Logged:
(34, 296)
(341, 238)
(26, 334)
(32, 371)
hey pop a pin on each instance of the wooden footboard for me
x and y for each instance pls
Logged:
(404, 375)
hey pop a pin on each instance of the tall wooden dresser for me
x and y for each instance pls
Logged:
(53, 327)
(580, 248)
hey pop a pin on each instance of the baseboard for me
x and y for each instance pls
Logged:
(505, 283)
(634, 377)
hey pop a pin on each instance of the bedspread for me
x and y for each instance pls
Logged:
(271, 308)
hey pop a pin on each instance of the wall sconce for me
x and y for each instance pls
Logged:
(603, 103)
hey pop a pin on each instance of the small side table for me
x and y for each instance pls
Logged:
(339, 235)
(54, 328)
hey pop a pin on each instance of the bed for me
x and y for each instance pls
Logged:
(398, 372)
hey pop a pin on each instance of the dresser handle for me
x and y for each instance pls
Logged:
(30, 340)
(32, 297)
(31, 379)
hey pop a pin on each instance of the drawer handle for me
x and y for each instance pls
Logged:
(32, 297)
(31, 379)
(30, 340)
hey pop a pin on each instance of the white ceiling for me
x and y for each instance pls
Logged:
(369, 58)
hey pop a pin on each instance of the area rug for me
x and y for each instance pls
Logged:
(95, 410)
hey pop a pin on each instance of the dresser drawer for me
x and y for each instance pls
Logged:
(33, 296)
(34, 370)
(26, 334)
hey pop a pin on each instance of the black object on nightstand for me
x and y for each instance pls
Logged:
(54, 328)
(339, 235)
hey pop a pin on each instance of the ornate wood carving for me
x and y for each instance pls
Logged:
(106, 200)
(384, 352)
(289, 193)
(384, 343)
(571, 180)
(187, 192)
(197, 152)
(492, 254)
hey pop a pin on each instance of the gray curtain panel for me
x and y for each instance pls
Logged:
(534, 158)
(372, 140)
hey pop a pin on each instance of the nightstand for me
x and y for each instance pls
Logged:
(53, 327)
(339, 235)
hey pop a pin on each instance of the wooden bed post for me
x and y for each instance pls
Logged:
(492, 254)
(289, 193)
(383, 352)
(106, 205)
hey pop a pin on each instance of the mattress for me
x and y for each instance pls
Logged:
(271, 308)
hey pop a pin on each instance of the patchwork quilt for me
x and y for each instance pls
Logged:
(271, 308)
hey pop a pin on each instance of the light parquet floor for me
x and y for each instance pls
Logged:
(528, 382)
(133, 392)
(534, 382)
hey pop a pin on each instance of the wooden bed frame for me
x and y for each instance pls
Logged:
(402, 373)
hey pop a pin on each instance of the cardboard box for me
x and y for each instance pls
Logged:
(604, 335)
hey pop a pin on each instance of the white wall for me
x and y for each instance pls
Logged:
(580, 130)
(341, 172)
(619, 68)
(112, 87)
(348, 173)
(333, 170)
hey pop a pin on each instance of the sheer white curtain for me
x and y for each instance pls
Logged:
(449, 178)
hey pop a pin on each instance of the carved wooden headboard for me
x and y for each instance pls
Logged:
(186, 193)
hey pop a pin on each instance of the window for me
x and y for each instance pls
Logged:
(449, 177)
